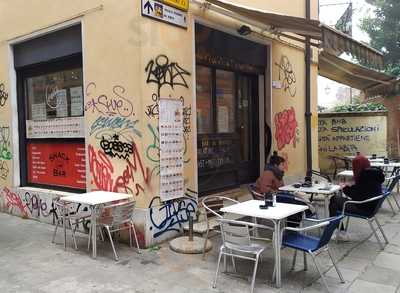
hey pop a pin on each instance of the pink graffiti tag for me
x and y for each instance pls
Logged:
(14, 201)
(285, 128)
(102, 171)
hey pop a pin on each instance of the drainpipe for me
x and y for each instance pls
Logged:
(308, 113)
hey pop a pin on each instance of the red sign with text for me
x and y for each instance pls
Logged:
(60, 164)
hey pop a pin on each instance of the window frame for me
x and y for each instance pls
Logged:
(55, 65)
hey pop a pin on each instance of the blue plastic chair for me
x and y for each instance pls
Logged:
(369, 218)
(392, 182)
(296, 238)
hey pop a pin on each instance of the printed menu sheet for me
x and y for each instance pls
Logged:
(171, 149)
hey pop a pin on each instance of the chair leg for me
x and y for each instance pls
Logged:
(225, 265)
(112, 243)
(55, 231)
(395, 200)
(130, 235)
(73, 233)
(233, 263)
(205, 245)
(101, 233)
(216, 273)
(136, 240)
(391, 206)
(90, 237)
(254, 273)
(376, 235)
(336, 267)
(381, 229)
(294, 260)
(347, 224)
(319, 271)
(305, 261)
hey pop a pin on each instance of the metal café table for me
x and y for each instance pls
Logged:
(326, 191)
(346, 173)
(94, 200)
(275, 214)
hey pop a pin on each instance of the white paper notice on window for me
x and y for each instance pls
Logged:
(38, 111)
(62, 105)
(223, 119)
(171, 149)
(76, 101)
(69, 127)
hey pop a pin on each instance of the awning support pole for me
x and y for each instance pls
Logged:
(308, 113)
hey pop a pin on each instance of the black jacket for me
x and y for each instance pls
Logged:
(368, 185)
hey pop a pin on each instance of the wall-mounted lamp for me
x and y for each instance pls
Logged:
(244, 30)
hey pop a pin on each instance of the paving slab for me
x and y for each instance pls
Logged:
(29, 262)
(381, 275)
(361, 286)
(389, 261)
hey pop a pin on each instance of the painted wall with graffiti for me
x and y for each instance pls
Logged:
(121, 110)
(129, 65)
(288, 107)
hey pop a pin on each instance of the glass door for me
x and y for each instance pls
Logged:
(227, 123)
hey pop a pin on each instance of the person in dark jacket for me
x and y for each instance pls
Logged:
(272, 177)
(367, 184)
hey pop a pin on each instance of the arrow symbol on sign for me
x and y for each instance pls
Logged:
(148, 7)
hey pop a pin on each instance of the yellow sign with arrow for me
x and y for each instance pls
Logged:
(179, 4)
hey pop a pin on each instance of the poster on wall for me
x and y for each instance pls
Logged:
(76, 101)
(62, 104)
(59, 164)
(345, 134)
(38, 111)
(56, 128)
(171, 149)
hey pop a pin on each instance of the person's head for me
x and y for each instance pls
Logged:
(277, 161)
(359, 164)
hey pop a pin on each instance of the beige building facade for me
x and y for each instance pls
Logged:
(81, 84)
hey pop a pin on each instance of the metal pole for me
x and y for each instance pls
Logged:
(308, 113)
(190, 228)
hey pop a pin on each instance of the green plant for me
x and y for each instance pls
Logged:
(367, 107)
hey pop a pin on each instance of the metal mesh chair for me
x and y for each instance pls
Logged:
(117, 217)
(391, 183)
(212, 205)
(236, 243)
(296, 239)
(73, 218)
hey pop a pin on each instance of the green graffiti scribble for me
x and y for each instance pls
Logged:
(153, 150)
(5, 154)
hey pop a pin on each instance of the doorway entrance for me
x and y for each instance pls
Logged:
(227, 91)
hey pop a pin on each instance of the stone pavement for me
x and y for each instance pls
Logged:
(29, 262)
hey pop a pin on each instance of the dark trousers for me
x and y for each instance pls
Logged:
(336, 206)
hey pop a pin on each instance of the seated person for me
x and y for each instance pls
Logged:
(272, 177)
(367, 184)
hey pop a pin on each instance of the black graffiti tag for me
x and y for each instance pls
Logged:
(4, 170)
(162, 72)
(116, 148)
(109, 105)
(3, 95)
(170, 215)
(152, 110)
(289, 77)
